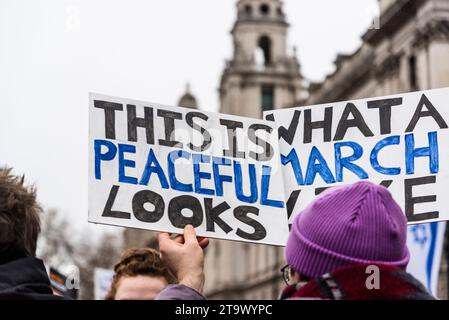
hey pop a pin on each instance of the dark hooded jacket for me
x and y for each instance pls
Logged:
(25, 278)
(355, 283)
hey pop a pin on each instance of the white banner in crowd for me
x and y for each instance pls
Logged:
(159, 168)
(425, 242)
(102, 282)
(399, 141)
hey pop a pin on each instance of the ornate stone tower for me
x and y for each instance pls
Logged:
(262, 73)
(188, 100)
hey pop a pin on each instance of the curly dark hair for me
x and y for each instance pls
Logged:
(139, 262)
(19, 214)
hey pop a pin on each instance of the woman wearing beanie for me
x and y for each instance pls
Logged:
(349, 243)
(342, 238)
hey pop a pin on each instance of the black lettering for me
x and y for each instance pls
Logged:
(241, 214)
(384, 107)
(320, 190)
(292, 201)
(232, 126)
(267, 154)
(410, 201)
(213, 215)
(169, 125)
(207, 140)
(107, 212)
(325, 124)
(356, 122)
(287, 134)
(109, 116)
(145, 122)
(176, 206)
(147, 196)
(430, 112)
(386, 183)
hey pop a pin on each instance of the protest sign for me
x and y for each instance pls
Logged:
(425, 243)
(399, 141)
(159, 168)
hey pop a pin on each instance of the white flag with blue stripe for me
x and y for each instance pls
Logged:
(425, 242)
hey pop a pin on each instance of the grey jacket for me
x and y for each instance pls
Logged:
(179, 292)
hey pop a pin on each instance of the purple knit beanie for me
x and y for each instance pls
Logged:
(347, 225)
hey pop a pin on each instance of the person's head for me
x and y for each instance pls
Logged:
(19, 218)
(139, 275)
(348, 225)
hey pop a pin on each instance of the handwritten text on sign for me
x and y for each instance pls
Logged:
(401, 142)
(159, 168)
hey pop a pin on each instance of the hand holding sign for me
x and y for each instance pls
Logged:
(184, 257)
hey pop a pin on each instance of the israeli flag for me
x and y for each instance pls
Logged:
(102, 282)
(425, 242)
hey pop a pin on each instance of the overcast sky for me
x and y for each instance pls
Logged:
(53, 52)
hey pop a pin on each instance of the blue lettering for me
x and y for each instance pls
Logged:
(265, 186)
(431, 151)
(219, 178)
(125, 163)
(107, 156)
(346, 162)
(199, 175)
(174, 182)
(153, 166)
(321, 168)
(374, 156)
(292, 158)
(239, 183)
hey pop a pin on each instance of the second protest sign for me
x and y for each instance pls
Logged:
(400, 141)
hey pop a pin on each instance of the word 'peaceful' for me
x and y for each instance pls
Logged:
(167, 177)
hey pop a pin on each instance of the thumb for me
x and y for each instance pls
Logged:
(189, 234)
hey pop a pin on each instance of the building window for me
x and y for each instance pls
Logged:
(248, 10)
(264, 45)
(267, 98)
(264, 9)
(280, 12)
(412, 73)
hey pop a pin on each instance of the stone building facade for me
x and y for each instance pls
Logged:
(408, 49)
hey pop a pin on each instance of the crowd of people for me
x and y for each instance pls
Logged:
(344, 232)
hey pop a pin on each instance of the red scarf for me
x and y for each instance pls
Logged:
(349, 283)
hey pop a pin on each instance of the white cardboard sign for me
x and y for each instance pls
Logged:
(399, 141)
(159, 168)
